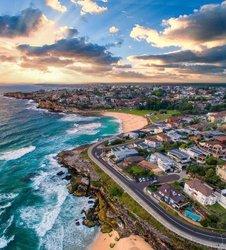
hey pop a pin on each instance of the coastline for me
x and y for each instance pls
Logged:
(107, 241)
(102, 241)
(128, 122)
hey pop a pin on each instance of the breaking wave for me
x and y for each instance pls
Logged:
(16, 154)
(88, 129)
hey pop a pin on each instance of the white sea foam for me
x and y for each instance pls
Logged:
(8, 204)
(16, 154)
(74, 118)
(88, 129)
(4, 241)
(53, 189)
(8, 197)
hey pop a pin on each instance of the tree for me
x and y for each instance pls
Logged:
(210, 160)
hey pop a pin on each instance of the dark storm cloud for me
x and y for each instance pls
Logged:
(76, 48)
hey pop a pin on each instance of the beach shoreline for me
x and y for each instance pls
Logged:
(128, 122)
(107, 241)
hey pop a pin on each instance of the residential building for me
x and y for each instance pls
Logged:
(215, 147)
(150, 166)
(164, 162)
(163, 137)
(222, 200)
(200, 192)
(182, 159)
(217, 117)
(120, 153)
(153, 143)
(197, 154)
(171, 196)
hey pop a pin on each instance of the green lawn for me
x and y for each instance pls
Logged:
(158, 116)
(220, 212)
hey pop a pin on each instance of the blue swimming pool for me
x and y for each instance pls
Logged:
(192, 215)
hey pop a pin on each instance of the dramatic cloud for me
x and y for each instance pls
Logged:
(23, 24)
(209, 61)
(213, 55)
(76, 48)
(113, 30)
(71, 32)
(205, 27)
(89, 7)
(56, 5)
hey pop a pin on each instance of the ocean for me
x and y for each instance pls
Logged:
(36, 210)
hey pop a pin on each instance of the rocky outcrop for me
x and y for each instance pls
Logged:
(109, 215)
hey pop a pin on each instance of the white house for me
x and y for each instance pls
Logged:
(222, 200)
(120, 153)
(152, 143)
(164, 162)
(200, 192)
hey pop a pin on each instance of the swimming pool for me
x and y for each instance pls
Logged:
(192, 215)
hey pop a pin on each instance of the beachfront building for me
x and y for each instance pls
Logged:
(200, 192)
(196, 153)
(182, 159)
(164, 162)
(171, 196)
(120, 153)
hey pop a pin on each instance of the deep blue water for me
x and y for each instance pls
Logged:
(36, 211)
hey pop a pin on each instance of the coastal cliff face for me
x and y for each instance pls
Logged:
(43, 102)
(105, 212)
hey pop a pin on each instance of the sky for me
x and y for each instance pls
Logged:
(88, 41)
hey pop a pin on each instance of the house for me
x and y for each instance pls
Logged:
(150, 166)
(217, 117)
(174, 121)
(182, 159)
(153, 143)
(222, 200)
(131, 160)
(215, 147)
(195, 153)
(162, 137)
(171, 196)
(221, 172)
(174, 136)
(141, 145)
(200, 192)
(120, 153)
(132, 135)
(164, 162)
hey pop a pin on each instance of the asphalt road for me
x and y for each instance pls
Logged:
(188, 231)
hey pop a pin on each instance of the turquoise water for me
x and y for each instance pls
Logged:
(189, 213)
(36, 211)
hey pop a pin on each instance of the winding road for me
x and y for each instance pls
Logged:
(188, 231)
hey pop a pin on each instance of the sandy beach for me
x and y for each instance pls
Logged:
(129, 122)
(110, 241)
